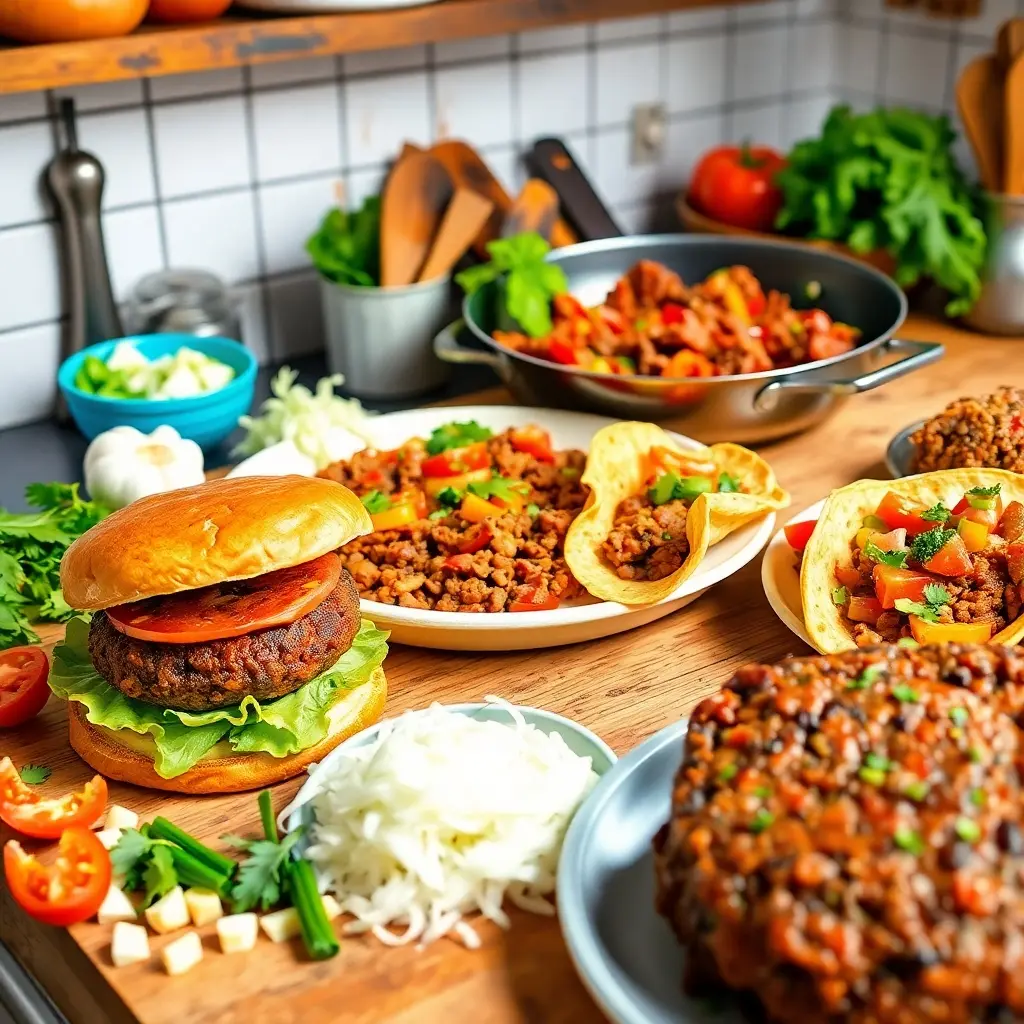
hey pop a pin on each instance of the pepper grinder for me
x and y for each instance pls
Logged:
(76, 179)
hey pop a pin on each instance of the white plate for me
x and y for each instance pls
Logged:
(479, 631)
(782, 581)
(327, 6)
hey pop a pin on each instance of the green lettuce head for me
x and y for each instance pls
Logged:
(278, 727)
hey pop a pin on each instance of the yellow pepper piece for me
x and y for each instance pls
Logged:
(974, 535)
(475, 509)
(864, 535)
(394, 517)
(949, 632)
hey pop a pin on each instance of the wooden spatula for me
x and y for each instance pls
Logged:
(535, 209)
(979, 98)
(1009, 44)
(464, 219)
(1013, 167)
(416, 195)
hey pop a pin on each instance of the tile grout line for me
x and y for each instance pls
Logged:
(158, 199)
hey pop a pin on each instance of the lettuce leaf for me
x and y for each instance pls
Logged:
(278, 727)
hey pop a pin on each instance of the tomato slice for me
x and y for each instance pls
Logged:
(561, 351)
(534, 600)
(69, 891)
(233, 608)
(27, 812)
(952, 559)
(950, 632)
(799, 534)
(477, 539)
(863, 609)
(23, 689)
(457, 460)
(892, 584)
(533, 441)
(897, 513)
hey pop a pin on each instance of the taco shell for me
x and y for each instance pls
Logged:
(840, 519)
(617, 468)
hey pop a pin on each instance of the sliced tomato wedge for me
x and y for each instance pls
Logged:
(233, 608)
(69, 891)
(534, 600)
(892, 584)
(459, 563)
(23, 689)
(756, 304)
(457, 460)
(848, 576)
(477, 539)
(863, 609)
(799, 534)
(950, 632)
(897, 514)
(25, 810)
(533, 441)
(952, 559)
(564, 352)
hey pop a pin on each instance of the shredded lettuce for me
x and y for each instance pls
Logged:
(308, 419)
(278, 727)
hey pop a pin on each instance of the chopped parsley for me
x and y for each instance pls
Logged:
(917, 791)
(909, 841)
(450, 496)
(936, 594)
(872, 776)
(35, 774)
(673, 487)
(985, 492)
(906, 694)
(728, 772)
(925, 546)
(896, 559)
(978, 797)
(456, 435)
(763, 792)
(937, 513)
(376, 502)
(762, 820)
(967, 829)
(439, 513)
(840, 596)
(867, 677)
(666, 535)
(728, 484)
(533, 510)
(959, 716)
(936, 598)
(500, 487)
(873, 760)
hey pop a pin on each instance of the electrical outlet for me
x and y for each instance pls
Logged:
(648, 123)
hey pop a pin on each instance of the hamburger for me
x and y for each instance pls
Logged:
(225, 650)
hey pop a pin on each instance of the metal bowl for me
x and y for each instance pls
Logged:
(899, 456)
(747, 408)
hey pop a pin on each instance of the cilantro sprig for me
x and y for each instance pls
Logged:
(896, 559)
(936, 599)
(938, 513)
(456, 435)
(259, 881)
(376, 502)
(34, 774)
(502, 487)
(925, 546)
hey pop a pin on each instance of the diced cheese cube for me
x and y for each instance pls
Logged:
(109, 837)
(182, 954)
(203, 906)
(237, 932)
(120, 817)
(282, 925)
(115, 907)
(129, 944)
(169, 913)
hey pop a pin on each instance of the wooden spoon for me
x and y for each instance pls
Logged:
(464, 219)
(1009, 44)
(535, 209)
(1013, 168)
(416, 196)
(979, 98)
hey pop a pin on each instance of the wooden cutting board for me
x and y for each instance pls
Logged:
(625, 688)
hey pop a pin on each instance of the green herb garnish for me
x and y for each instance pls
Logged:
(672, 487)
(502, 487)
(959, 716)
(439, 513)
(456, 435)
(917, 790)
(906, 694)
(936, 598)
(259, 881)
(728, 772)
(666, 535)
(533, 510)
(975, 755)
(872, 776)
(967, 829)
(879, 761)
(867, 677)
(983, 497)
(840, 596)
(925, 546)
(896, 559)
(450, 496)
(909, 841)
(34, 774)
(763, 792)
(762, 820)
(728, 484)
(937, 513)
(376, 502)
(978, 797)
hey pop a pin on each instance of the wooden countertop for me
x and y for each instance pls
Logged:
(625, 688)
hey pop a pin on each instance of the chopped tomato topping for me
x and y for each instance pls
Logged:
(848, 576)
(798, 534)
(864, 609)
(892, 584)
(672, 313)
(459, 563)
(535, 600)
(533, 441)
(952, 559)
(477, 539)
(563, 352)
(25, 810)
(457, 460)
(756, 304)
(896, 513)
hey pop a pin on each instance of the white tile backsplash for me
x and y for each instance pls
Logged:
(231, 170)
(297, 131)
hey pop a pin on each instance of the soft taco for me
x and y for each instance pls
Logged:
(654, 509)
(932, 558)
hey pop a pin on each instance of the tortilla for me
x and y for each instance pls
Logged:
(841, 518)
(617, 468)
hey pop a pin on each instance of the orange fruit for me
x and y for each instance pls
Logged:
(182, 11)
(58, 21)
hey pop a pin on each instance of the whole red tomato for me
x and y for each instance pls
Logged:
(182, 11)
(736, 185)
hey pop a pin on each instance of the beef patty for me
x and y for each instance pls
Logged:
(846, 837)
(265, 664)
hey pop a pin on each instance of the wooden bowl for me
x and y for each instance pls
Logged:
(695, 221)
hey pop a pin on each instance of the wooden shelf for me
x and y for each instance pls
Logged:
(251, 39)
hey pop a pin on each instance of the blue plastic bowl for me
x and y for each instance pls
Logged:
(206, 419)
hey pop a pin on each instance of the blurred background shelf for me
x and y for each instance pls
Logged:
(246, 38)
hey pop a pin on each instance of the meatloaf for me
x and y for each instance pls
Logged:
(987, 431)
(846, 840)
(266, 664)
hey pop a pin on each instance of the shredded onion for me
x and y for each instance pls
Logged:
(445, 815)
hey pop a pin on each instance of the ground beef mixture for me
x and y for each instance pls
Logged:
(974, 432)
(445, 563)
(846, 841)
(653, 324)
(647, 542)
(265, 664)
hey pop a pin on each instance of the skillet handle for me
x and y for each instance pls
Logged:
(448, 349)
(919, 353)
